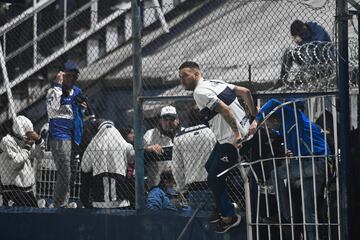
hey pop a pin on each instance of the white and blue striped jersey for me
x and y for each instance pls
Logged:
(207, 95)
(192, 148)
(61, 111)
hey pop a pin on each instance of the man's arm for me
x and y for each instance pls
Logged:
(264, 111)
(35, 139)
(225, 111)
(245, 94)
(54, 94)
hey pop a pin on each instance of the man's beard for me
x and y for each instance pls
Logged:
(191, 86)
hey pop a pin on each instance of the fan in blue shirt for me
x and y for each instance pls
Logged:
(303, 138)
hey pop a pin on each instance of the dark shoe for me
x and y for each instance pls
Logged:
(215, 217)
(222, 227)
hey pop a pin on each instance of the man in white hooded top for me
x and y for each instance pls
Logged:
(19, 149)
(106, 159)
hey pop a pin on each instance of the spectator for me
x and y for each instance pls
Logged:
(302, 33)
(315, 146)
(163, 196)
(158, 142)
(227, 119)
(128, 134)
(20, 149)
(104, 165)
(192, 148)
(65, 105)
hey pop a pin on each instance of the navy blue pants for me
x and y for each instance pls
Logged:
(221, 158)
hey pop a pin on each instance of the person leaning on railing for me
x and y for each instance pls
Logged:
(301, 134)
(19, 149)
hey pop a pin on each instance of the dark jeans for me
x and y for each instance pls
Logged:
(198, 197)
(308, 185)
(221, 158)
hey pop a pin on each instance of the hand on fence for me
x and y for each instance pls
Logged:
(84, 105)
(289, 153)
(237, 142)
(32, 137)
(156, 149)
(253, 127)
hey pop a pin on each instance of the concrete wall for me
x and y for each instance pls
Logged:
(85, 224)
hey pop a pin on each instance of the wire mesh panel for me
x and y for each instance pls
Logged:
(295, 172)
(247, 42)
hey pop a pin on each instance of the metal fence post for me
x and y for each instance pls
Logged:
(343, 85)
(12, 111)
(138, 115)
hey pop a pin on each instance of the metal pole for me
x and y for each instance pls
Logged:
(343, 85)
(35, 46)
(12, 111)
(94, 14)
(138, 114)
(65, 22)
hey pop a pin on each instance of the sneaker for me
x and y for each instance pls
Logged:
(215, 217)
(223, 227)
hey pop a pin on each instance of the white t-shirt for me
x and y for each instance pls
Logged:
(154, 169)
(192, 148)
(207, 95)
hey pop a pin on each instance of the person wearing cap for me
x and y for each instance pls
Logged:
(303, 138)
(164, 197)
(65, 105)
(158, 143)
(104, 165)
(226, 117)
(19, 150)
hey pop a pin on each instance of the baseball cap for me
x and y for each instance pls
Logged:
(71, 66)
(168, 111)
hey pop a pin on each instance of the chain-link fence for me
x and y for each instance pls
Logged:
(75, 146)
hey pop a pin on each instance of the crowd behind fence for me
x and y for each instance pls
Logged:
(75, 149)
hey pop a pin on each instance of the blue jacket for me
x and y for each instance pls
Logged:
(315, 33)
(65, 116)
(319, 144)
(158, 200)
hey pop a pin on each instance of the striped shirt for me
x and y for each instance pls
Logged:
(207, 95)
